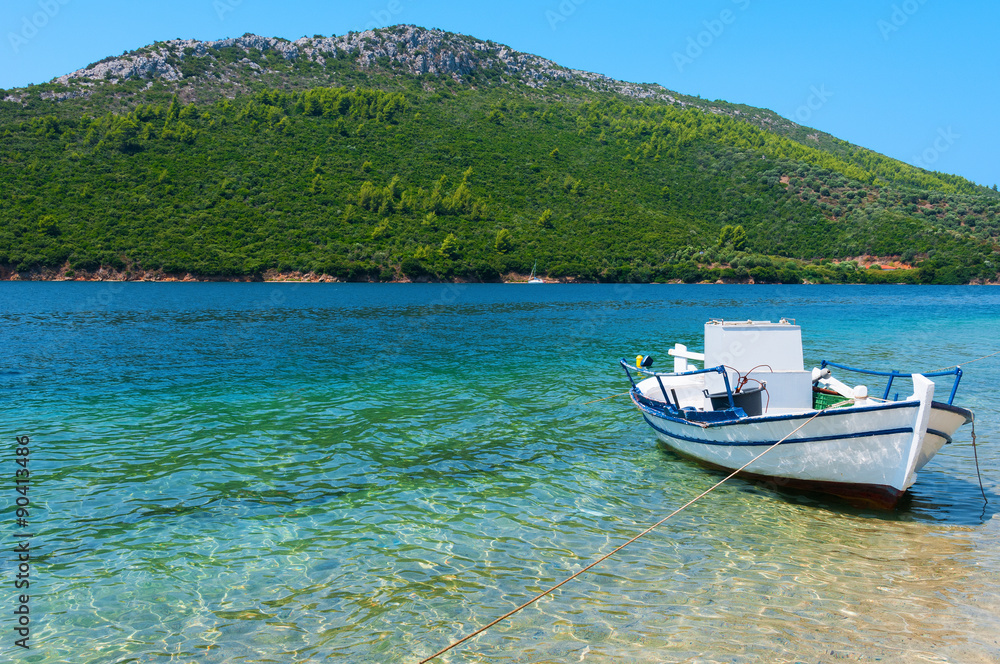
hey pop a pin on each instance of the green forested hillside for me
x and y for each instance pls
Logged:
(390, 175)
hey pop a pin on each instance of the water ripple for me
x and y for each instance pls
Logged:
(268, 473)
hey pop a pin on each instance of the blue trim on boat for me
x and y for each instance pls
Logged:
(813, 439)
(766, 418)
(935, 432)
(649, 372)
(951, 408)
(956, 372)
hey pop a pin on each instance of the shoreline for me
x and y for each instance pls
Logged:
(111, 275)
(106, 274)
(295, 279)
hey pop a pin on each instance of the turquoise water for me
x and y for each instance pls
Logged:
(363, 473)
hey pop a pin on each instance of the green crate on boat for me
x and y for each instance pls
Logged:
(822, 400)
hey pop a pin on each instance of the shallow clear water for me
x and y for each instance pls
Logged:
(363, 473)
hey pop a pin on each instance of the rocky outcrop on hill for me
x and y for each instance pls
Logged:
(423, 51)
(416, 50)
(125, 68)
(235, 62)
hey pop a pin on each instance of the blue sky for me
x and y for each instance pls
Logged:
(912, 79)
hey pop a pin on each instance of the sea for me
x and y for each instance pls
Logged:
(300, 472)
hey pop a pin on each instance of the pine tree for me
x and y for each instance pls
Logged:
(739, 239)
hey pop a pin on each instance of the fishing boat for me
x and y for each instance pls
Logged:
(820, 434)
(532, 279)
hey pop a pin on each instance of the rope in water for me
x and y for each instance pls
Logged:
(608, 555)
(962, 364)
(975, 453)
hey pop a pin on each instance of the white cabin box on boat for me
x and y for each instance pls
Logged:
(763, 352)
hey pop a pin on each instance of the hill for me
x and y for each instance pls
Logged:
(407, 153)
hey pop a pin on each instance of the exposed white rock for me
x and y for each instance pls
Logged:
(406, 47)
(419, 50)
(63, 96)
(126, 68)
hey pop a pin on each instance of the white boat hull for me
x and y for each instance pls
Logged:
(751, 408)
(945, 421)
(859, 453)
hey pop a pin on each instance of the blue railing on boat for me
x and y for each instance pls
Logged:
(657, 374)
(956, 372)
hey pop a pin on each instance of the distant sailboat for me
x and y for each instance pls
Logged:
(533, 279)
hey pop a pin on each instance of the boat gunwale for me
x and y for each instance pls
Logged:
(758, 419)
(952, 408)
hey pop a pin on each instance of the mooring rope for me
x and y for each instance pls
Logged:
(975, 453)
(643, 533)
(962, 364)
